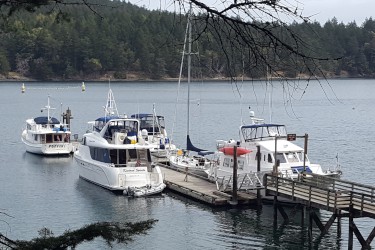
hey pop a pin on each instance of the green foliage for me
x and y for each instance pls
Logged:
(4, 64)
(111, 232)
(75, 42)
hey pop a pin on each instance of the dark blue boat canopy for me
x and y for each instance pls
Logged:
(143, 115)
(263, 125)
(44, 120)
(106, 118)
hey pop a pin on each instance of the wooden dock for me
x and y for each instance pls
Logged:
(343, 198)
(201, 189)
(326, 193)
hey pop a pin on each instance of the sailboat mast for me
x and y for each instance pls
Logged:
(189, 72)
(48, 107)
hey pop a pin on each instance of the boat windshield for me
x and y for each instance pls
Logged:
(130, 127)
(99, 123)
(290, 157)
(151, 123)
(262, 131)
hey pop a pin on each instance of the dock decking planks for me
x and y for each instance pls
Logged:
(200, 189)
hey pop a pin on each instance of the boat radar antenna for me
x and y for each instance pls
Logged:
(253, 119)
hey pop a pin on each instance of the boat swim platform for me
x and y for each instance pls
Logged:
(201, 189)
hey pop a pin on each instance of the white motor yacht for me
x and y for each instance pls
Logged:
(277, 153)
(46, 135)
(117, 158)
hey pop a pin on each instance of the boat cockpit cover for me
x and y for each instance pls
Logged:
(44, 120)
(106, 118)
(140, 116)
(262, 125)
(262, 131)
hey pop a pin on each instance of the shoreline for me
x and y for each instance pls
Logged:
(14, 77)
(174, 80)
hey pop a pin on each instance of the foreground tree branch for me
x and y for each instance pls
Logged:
(258, 39)
(111, 232)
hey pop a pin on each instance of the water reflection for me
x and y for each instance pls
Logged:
(53, 161)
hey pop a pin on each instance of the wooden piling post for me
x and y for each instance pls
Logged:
(303, 216)
(310, 224)
(67, 116)
(235, 185)
(339, 223)
(351, 230)
(275, 211)
(275, 166)
(305, 152)
(259, 196)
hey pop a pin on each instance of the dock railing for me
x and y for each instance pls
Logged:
(324, 192)
(245, 182)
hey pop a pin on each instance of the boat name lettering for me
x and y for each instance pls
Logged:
(133, 170)
(56, 146)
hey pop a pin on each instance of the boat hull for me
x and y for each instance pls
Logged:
(122, 179)
(190, 165)
(48, 148)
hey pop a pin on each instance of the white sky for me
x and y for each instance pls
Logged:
(320, 10)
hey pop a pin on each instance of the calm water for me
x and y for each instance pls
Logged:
(47, 192)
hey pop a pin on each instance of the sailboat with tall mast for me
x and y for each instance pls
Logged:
(181, 159)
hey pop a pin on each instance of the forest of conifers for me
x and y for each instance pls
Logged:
(129, 41)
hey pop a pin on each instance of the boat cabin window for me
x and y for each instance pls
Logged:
(98, 125)
(227, 162)
(48, 138)
(292, 157)
(240, 164)
(57, 138)
(100, 154)
(35, 137)
(118, 157)
(133, 153)
(301, 155)
(270, 158)
(280, 157)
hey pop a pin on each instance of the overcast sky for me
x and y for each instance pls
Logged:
(320, 10)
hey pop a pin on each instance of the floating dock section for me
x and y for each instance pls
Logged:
(202, 189)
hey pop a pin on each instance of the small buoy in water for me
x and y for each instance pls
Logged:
(83, 86)
(23, 88)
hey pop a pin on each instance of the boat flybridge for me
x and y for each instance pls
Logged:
(277, 153)
(46, 135)
(153, 131)
(117, 158)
